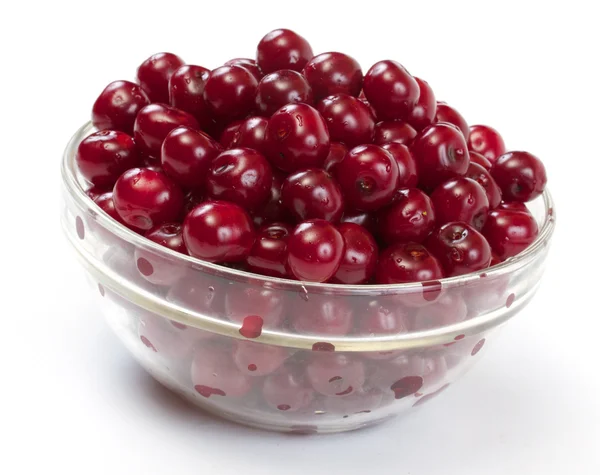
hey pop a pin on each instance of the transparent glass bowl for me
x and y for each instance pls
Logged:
(286, 355)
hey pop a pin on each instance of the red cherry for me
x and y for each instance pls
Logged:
(360, 255)
(229, 135)
(423, 114)
(520, 175)
(266, 304)
(383, 317)
(287, 389)
(282, 49)
(407, 262)
(279, 88)
(95, 191)
(445, 113)
(410, 218)
(269, 252)
(322, 315)
(229, 92)
(251, 133)
(118, 105)
(168, 235)
(407, 167)
(513, 206)
(394, 131)
(273, 211)
(156, 269)
(509, 232)
(335, 374)
(480, 160)
(106, 203)
(154, 74)
(486, 141)
(461, 199)
(482, 176)
(191, 200)
(337, 151)
(362, 218)
(349, 120)
(333, 73)
(247, 63)
(186, 92)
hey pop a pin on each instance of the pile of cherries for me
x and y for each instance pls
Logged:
(299, 166)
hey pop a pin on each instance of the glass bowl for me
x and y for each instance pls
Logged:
(287, 355)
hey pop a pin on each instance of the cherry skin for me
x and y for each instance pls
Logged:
(153, 124)
(287, 389)
(480, 160)
(296, 138)
(192, 199)
(360, 255)
(242, 176)
(461, 199)
(445, 113)
(410, 218)
(367, 175)
(362, 218)
(337, 151)
(103, 156)
(169, 235)
(251, 133)
(322, 315)
(218, 231)
(269, 252)
(423, 114)
(282, 49)
(486, 141)
(315, 251)
(186, 156)
(333, 73)
(407, 262)
(482, 176)
(186, 92)
(247, 63)
(520, 175)
(407, 167)
(117, 105)
(229, 135)
(273, 211)
(95, 191)
(441, 153)
(154, 74)
(279, 88)
(145, 198)
(391, 90)
(266, 303)
(394, 131)
(348, 119)
(229, 92)
(106, 203)
(460, 248)
(311, 194)
(509, 232)
(514, 206)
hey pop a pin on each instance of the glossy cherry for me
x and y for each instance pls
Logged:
(360, 255)
(192, 199)
(513, 206)
(423, 114)
(229, 135)
(461, 199)
(363, 218)
(482, 176)
(446, 113)
(394, 131)
(348, 119)
(322, 315)
(410, 218)
(509, 232)
(103, 156)
(282, 49)
(279, 88)
(337, 151)
(486, 141)
(480, 160)
(407, 262)
(407, 167)
(169, 235)
(269, 252)
(335, 374)
(247, 63)
(313, 193)
(229, 92)
(154, 74)
(186, 92)
(333, 73)
(96, 191)
(218, 231)
(251, 134)
(145, 198)
(117, 105)
(273, 211)
(106, 204)
(520, 175)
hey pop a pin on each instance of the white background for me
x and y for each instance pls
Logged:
(72, 401)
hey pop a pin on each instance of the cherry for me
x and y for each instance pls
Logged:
(117, 105)
(273, 211)
(322, 315)
(362, 218)
(486, 141)
(407, 262)
(333, 73)
(407, 167)
(106, 203)
(383, 318)
(461, 199)
(186, 155)
(255, 359)
(296, 138)
(145, 198)
(480, 160)
(218, 231)
(247, 63)
(410, 218)
(337, 151)
(191, 200)
(287, 389)
(460, 248)
(348, 119)
(391, 90)
(186, 92)
(445, 113)
(315, 251)
(520, 175)
(282, 49)
(279, 88)
(153, 124)
(242, 176)
(229, 134)
(169, 235)
(367, 176)
(394, 131)
(269, 252)
(513, 206)
(229, 92)
(103, 156)
(423, 114)
(312, 193)
(95, 191)
(267, 304)
(335, 374)
(482, 176)
(251, 134)
(156, 269)
(509, 232)
(360, 255)
(154, 74)
(441, 153)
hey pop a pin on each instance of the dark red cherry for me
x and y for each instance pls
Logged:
(168, 235)
(192, 199)
(229, 92)
(348, 119)
(333, 73)
(322, 315)
(251, 134)
(520, 175)
(95, 191)
(312, 193)
(242, 176)
(461, 199)
(186, 92)
(423, 114)
(391, 90)
(269, 253)
(360, 255)
(362, 218)
(486, 141)
(445, 113)
(509, 232)
(118, 105)
(513, 206)
(296, 138)
(273, 211)
(410, 218)
(154, 74)
(282, 49)
(407, 167)
(441, 153)
(407, 262)
(247, 63)
(480, 160)
(102, 157)
(367, 176)
(394, 131)
(153, 124)
(315, 251)
(460, 248)
(229, 135)
(218, 231)
(337, 151)
(186, 156)
(106, 204)
(145, 198)
(279, 88)
(482, 176)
